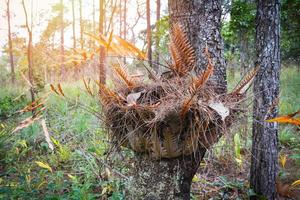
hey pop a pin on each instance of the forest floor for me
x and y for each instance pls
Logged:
(80, 168)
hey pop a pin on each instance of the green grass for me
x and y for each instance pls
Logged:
(81, 145)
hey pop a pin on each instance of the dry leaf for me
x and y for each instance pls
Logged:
(132, 98)
(220, 109)
(44, 165)
(46, 133)
(287, 119)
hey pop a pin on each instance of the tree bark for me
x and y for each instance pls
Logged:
(11, 57)
(158, 5)
(264, 166)
(81, 24)
(163, 179)
(125, 24)
(73, 25)
(149, 41)
(29, 54)
(172, 178)
(102, 55)
(202, 21)
(62, 49)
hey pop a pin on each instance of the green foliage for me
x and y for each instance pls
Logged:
(78, 141)
(290, 35)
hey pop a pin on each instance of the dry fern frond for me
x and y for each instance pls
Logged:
(60, 89)
(242, 87)
(107, 96)
(87, 87)
(201, 80)
(130, 48)
(53, 89)
(186, 106)
(123, 76)
(182, 52)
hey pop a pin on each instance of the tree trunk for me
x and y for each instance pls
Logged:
(244, 52)
(202, 22)
(125, 24)
(264, 160)
(29, 54)
(81, 24)
(73, 25)
(11, 57)
(102, 55)
(163, 179)
(149, 41)
(172, 178)
(62, 49)
(157, 34)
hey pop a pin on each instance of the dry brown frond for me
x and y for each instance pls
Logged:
(107, 96)
(242, 87)
(131, 48)
(87, 87)
(53, 89)
(201, 80)
(182, 52)
(186, 106)
(123, 76)
(60, 89)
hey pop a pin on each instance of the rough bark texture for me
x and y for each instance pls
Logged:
(158, 5)
(171, 178)
(102, 55)
(29, 54)
(202, 21)
(264, 165)
(149, 39)
(62, 49)
(73, 25)
(11, 57)
(81, 24)
(163, 179)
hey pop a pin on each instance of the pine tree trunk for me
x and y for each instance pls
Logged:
(102, 55)
(73, 25)
(11, 57)
(149, 37)
(172, 178)
(202, 21)
(81, 25)
(157, 34)
(163, 179)
(62, 49)
(264, 165)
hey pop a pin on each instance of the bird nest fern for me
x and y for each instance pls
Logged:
(172, 116)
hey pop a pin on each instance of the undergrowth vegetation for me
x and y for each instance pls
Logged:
(80, 166)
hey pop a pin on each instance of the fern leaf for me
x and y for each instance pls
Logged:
(60, 89)
(202, 79)
(243, 86)
(131, 48)
(53, 89)
(107, 96)
(182, 52)
(87, 87)
(186, 106)
(122, 74)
